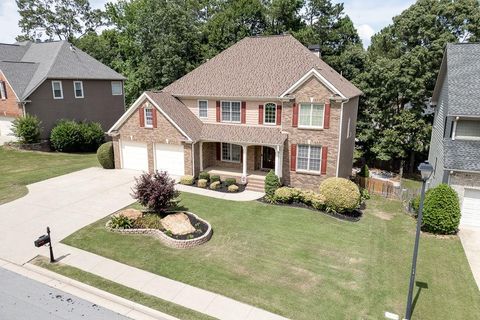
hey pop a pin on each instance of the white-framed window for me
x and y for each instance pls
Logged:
(3, 90)
(202, 108)
(57, 89)
(468, 129)
(231, 152)
(78, 89)
(309, 158)
(148, 114)
(311, 115)
(270, 113)
(117, 88)
(231, 111)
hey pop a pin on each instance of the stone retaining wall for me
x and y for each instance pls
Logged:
(170, 242)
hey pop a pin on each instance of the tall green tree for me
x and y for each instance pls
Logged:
(62, 19)
(284, 15)
(401, 69)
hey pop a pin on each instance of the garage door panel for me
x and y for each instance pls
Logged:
(6, 126)
(471, 208)
(134, 155)
(170, 158)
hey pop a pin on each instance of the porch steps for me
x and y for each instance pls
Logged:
(256, 183)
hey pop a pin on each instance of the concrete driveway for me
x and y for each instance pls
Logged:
(470, 237)
(65, 204)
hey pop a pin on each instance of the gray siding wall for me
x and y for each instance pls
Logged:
(347, 144)
(98, 104)
(436, 153)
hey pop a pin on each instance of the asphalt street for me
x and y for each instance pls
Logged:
(24, 299)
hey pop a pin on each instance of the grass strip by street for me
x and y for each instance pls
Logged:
(120, 290)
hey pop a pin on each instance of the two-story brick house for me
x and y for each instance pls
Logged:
(265, 103)
(54, 80)
(455, 143)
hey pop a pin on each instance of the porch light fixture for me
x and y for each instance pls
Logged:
(426, 171)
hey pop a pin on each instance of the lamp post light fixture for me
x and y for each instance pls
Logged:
(426, 171)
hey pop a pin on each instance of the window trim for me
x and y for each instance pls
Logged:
(121, 88)
(465, 138)
(198, 105)
(308, 159)
(75, 90)
(145, 116)
(3, 90)
(230, 149)
(311, 113)
(221, 111)
(274, 123)
(53, 89)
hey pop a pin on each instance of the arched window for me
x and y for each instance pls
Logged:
(270, 113)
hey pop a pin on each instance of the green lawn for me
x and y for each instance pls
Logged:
(121, 291)
(306, 265)
(19, 168)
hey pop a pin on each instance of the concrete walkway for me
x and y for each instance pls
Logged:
(246, 195)
(470, 237)
(200, 300)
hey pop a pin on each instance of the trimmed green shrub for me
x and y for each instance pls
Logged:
(202, 183)
(215, 185)
(364, 194)
(364, 171)
(71, 136)
(187, 180)
(341, 195)
(441, 210)
(215, 178)
(204, 175)
(272, 183)
(121, 222)
(286, 194)
(313, 199)
(27, 129)
(230, 181)
(105, 155)
(155, 191)
(232, 188)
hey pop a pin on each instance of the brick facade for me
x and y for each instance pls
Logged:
(9, 107)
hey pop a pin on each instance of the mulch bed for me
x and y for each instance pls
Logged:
(200, 227)
(223, 187)
(353, 216)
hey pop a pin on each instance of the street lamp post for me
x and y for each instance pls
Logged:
(426, 170)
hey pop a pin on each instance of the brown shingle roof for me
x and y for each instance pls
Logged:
(242, 134)
(178, 112)
(264, 66)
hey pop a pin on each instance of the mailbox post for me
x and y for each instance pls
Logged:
(43, 240)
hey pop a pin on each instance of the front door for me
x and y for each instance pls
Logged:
(268, 158)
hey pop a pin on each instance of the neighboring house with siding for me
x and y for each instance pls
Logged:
(265, 103)
(455, 143)
(54, 80)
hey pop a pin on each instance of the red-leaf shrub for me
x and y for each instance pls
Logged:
(155, 190)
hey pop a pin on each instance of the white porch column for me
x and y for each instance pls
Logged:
(200, 150)
(244, 170)
(279, 161)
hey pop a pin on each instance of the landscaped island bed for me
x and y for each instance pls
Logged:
(303, 264)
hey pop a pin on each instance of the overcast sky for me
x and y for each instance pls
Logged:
(369, 16)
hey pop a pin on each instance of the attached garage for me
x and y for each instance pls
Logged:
(170, 158)
(6, 126)
(471, 208)
(134, 155)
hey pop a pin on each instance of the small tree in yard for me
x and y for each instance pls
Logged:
(155, 191)
(27, 129)
(272, 183)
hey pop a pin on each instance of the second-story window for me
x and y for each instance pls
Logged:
(468, 129)
(270, 113)
(3, 91)
(311, 115)
(231, 111)
(117, 89)
(78, 89)
(148, 113)
(57, 89)
(202, 108)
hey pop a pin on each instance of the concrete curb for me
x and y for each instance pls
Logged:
(102, 298)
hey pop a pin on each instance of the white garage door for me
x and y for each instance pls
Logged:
(6, 126)
(169, 157)
(134, 155)
(471, 208)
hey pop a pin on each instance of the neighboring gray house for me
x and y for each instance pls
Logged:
(54, 80)
(455, 143)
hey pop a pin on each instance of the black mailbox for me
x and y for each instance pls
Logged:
(42, 240)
